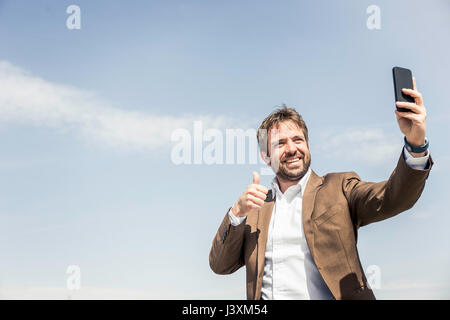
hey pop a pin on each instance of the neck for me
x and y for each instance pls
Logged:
(285, 184)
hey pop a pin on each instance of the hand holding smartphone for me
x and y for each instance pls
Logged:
(411, 112)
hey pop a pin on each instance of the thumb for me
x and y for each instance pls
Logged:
(255, 177)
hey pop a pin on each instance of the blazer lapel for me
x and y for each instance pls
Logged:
(308, 201)
(264, 215)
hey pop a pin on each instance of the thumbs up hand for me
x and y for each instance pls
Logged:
(251, 199)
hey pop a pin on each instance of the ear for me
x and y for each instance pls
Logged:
(265, 158)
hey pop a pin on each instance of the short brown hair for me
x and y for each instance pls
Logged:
(278, 116)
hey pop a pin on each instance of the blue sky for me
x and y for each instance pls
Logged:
(86, 118)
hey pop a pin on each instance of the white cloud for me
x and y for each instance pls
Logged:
(31, 101)
(374, 146)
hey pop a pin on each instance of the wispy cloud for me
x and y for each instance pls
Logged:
(28, 100)
(374, 146)
(31, 101)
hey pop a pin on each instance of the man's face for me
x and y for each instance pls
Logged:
(289, 151)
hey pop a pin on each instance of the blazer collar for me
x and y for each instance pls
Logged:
(301, 184)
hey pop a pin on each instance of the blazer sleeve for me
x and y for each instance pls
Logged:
(227, 253)
(371, 202)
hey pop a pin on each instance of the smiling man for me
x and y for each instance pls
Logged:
(298, 239)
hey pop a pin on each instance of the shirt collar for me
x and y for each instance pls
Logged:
(299, 187)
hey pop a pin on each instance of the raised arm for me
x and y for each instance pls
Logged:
(370, 202)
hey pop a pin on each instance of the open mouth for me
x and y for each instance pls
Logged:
(293, 161)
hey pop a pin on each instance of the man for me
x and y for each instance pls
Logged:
(298, 240)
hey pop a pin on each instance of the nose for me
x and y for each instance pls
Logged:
(291, 147)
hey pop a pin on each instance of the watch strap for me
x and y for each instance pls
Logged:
(416, 149)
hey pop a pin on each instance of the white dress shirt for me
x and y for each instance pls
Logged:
(289, 269)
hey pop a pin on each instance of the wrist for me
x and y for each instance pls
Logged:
(417, 148)
(234, 211)
(416, 143)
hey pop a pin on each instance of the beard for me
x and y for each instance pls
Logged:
(293, 174)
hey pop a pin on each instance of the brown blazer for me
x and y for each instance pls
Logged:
(334, 207)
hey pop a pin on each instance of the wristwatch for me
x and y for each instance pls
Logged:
(417, 149)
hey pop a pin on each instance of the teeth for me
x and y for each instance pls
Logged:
(293, 160)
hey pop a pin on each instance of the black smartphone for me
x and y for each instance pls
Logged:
(402, 79)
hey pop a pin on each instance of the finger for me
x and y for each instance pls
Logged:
(255, 177)
(255, 200)
(261, 188)
(257, 194)
(253, 205)
(414, 93)
(414, 83)
(416, 118)
(409, 105)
